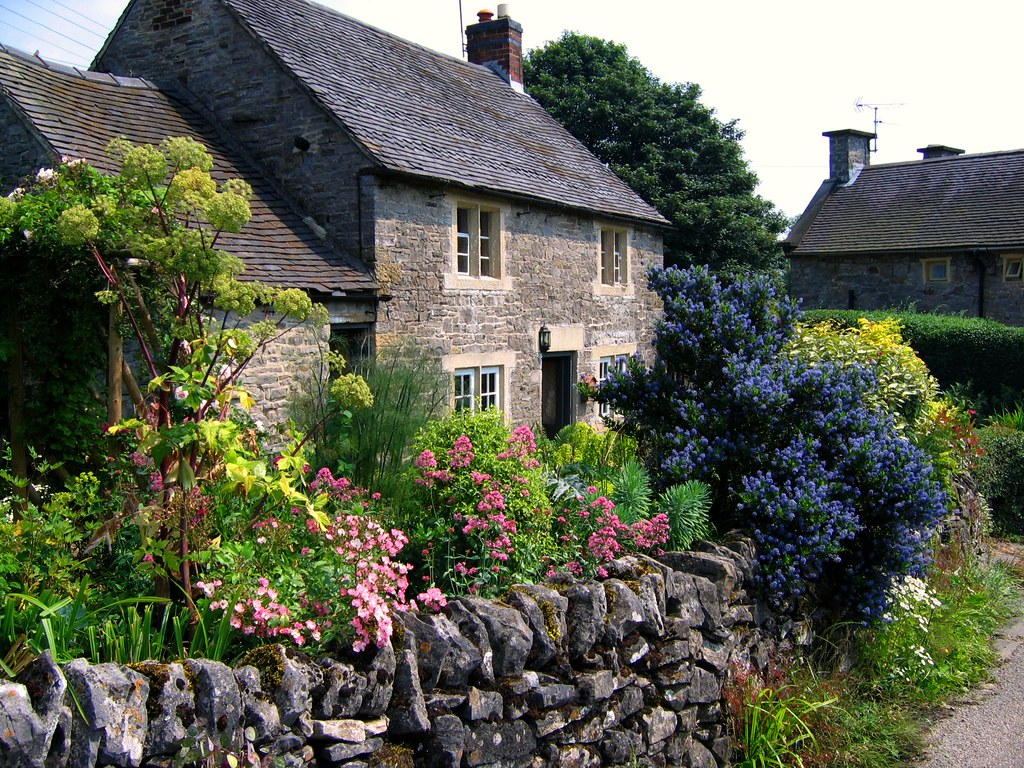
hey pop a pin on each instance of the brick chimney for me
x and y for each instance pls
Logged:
(497, 43)
(932, 151)
(848, 152)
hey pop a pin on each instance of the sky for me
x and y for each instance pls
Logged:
(940, 72)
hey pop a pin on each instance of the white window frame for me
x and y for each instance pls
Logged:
(1013, 268)
(928, 265)
(477, 388)
(606, 366)
(464, 380)
(477, 241)
(613, 245)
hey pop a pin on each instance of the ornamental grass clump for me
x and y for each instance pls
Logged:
(838, 500)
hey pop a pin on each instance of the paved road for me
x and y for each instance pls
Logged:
(987, 729)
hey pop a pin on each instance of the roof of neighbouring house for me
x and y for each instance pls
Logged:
(77, 113)
(949, 203)
(422, 113)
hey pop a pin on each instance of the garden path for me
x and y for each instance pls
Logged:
(986, 728)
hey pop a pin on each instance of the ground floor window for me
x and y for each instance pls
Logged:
(477, 388)
(608, 365)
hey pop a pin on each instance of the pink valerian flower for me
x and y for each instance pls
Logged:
(479, 477)
(460, 455)
(426, 460)
(651, 534)
(522, 446)
(492, 500)
(604, 543)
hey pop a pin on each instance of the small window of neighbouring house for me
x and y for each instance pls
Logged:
(477, 388)
(477, 242)
(1013, 267)
(614, 258)
(935, 270)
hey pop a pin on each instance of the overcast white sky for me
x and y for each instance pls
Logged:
(786, 70)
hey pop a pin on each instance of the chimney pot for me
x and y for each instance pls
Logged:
(483, 16)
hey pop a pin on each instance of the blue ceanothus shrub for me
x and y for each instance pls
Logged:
(837, 500)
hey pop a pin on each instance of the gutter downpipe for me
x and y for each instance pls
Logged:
(980, 266)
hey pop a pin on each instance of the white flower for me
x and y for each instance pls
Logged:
(17, 193)
(28, 234)
(180, 393)
(45, 175)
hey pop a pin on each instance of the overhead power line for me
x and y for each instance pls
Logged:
(44, 26)
(76, 54)
(102, 28)
(74, 23)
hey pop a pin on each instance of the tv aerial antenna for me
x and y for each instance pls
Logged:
(860, 105)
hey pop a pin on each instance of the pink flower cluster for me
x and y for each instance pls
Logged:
(522, 446)
(341, 490)
(263, 616)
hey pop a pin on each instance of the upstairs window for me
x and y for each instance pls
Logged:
(477, 242)
(614, 259)
(935, 270)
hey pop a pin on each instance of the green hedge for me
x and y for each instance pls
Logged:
(1000, 478)
(971, 357)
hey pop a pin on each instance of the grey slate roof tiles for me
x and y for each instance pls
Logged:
(423, 113)
(79, 112)
(951, 203)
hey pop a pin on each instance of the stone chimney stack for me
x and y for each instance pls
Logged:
(497, 43)
(848, 152)
(933, 151)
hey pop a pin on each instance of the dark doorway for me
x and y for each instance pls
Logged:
(556, 390)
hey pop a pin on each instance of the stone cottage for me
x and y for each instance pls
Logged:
(944, 233)
(487, 232)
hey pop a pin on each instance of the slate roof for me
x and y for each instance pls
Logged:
(419, 112)
(944, 204)
(78, 112)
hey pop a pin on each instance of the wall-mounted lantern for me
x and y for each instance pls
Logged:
(544, 338)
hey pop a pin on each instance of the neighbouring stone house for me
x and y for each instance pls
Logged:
(944, 233)
(430, 197)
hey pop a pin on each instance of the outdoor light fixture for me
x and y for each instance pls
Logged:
(544, 338)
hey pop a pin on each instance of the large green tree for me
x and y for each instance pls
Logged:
(664, 143)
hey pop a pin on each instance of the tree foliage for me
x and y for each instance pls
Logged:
(663, 142)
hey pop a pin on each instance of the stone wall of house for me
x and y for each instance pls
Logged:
(21, 152)
(882, 282)
(626, 671)
(550, 276)
(221, 66)
(287, 372)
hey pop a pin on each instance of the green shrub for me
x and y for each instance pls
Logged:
(978, 358)
(482, 522)
(687, 506)
(631, 492)
(1001, 479)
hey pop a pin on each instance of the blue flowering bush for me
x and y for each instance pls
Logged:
(839, 501)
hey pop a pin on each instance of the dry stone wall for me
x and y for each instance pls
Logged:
(628, 670)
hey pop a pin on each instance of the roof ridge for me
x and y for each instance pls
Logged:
(952, 158)
(103, 78)
(380, 30)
